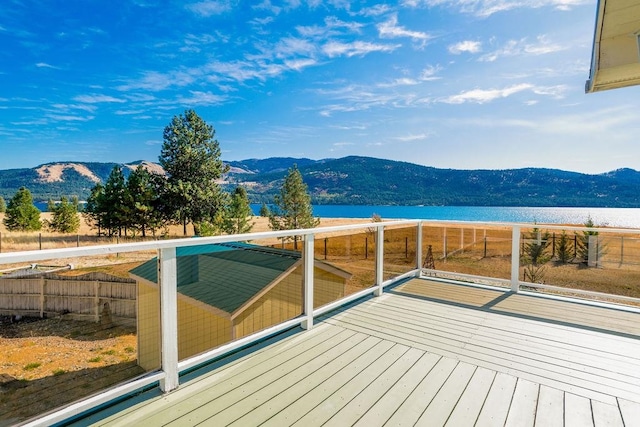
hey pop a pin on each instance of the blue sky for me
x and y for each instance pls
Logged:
(464, 84)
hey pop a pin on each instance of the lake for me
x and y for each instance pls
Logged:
(612, 217)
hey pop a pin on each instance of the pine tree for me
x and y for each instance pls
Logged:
(264, 211)
(141, 198)
(21, 214)
(535, 256)
(65, 217)
(586, 239)
(3, 205)
(190, 157)
(95, 209)
(564, 248)
(238, 213)
(114, 208)
(292, 207)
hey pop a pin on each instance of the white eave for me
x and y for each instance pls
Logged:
(615, 57)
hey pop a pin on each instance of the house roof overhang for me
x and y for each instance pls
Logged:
(615, 57)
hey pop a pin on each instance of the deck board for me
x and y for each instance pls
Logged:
(426, 353)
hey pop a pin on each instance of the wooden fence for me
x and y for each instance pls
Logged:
(91, 296)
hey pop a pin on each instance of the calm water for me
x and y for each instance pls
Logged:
(612, 217)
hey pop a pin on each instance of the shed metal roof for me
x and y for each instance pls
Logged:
(225, 276)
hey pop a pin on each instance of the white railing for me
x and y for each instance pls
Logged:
(171, 367)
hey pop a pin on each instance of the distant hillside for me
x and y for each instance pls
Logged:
(365, 180)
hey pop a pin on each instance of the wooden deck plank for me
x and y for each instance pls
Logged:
(630, 413)
(360, 404)
(276, 396)
(496, 405)
(279, 363)
(544, 350)
(385, 407)
(412, 408)
(298, 408)
(522, 411)
(336, 401)
(468, 407)
(447, 397)
(550, 410)
(577, 411)
(557, 376)
(606, 415)
(244, 393)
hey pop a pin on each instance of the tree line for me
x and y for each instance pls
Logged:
(187, 193)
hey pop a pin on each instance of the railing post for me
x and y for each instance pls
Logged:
(379, 260)
(419, 249)
(307, 259)
(515, 258)
(168, 280)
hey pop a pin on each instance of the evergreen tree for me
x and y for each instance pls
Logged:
(21, 214)
(238, 213)
(190, 157)
(140, 201)
(3, 205)
(292, 207)
(564, 248)
(264, 211)
(65, 217)
(114, 209)
(585, 240)
(536, 255)
(95, 209)
(51, 205)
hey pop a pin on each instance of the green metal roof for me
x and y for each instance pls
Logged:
(225, 276)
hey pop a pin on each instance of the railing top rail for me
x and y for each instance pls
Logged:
(114, 248)
(36, 255)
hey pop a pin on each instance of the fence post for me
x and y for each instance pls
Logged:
(168, 280)
(444, 244)
(325, 248)
(379, 260)
(366, 248)
(515, 258)
(307, 258)
(42, 297)
(485, 247)
(77, 240)
(621, 250)
(461, 240)
(96, 300)
(40, 240)
(406, 247)
(419, 249)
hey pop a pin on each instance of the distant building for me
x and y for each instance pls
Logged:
(227, 291)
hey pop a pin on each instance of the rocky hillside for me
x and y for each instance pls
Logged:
(365, 180)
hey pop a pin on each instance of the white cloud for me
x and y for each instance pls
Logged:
(430, 72)
(391, 29)
(45, 65)
(411, 138)
(465, 46)
(485, 8)
(481, 96)
(542, 46)
(69, 118)
(95, 99)
(299, 64)
(209, 8)
(357, 48)
(202, 98)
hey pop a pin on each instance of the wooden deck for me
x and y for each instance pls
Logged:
(425, 353)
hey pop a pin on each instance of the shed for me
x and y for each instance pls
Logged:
(227, 291)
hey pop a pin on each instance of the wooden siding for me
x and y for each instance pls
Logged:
(419, 356)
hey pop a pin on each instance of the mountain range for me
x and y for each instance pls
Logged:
(364, 181)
